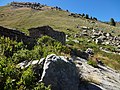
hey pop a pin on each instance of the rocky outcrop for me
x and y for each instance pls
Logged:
(103, 77)
(56, 71)
(34, 33)
(60, 73)
(47, 30)
(100, 37)
(36, 6)
(17, 35)
(73, 74)
(80, 53)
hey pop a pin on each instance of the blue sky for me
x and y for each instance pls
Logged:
(101, 9)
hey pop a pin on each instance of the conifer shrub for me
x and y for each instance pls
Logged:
(112, 22)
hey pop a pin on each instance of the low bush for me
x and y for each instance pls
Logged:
(92, 63)
(8, 47)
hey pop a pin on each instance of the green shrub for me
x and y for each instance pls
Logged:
(8, 47)
(46, 45)
(27, 77)
(87, 16)
(37, 52)
(8, 84)
(41, 86)
(9, 74)
(112, 22)
(22, 55)
(12, 52)
(70, 42)
(92, 63)
(45, 40)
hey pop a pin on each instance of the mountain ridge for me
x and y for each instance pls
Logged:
(57, 19)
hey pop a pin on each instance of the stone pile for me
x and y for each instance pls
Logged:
(100, 37)
(106, 39)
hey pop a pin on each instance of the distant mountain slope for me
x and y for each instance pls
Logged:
(118, 24)
(24, 18)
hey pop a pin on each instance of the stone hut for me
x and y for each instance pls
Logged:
(47, 30)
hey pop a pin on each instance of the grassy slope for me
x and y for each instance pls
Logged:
(25, 18)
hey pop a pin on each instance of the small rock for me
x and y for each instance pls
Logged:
(90, 51)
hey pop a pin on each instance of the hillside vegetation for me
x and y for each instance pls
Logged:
(11, 53)
(24, 18)
(12, 77)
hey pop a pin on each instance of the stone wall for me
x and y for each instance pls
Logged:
(17, 35)
(47, 30)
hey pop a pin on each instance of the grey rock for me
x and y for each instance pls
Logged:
(96, 34)
(76, 35)
(47, 30)
(80, 53)
(84, 27)
(27, 63)
(17, 35)
(93, 37)
(102, 37)
(98, 41)
(108, 34)
(76, 41)
(60, 73)
(90, 51)
(84, 34)
(103, 77)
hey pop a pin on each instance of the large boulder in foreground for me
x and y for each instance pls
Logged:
(60, 73)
